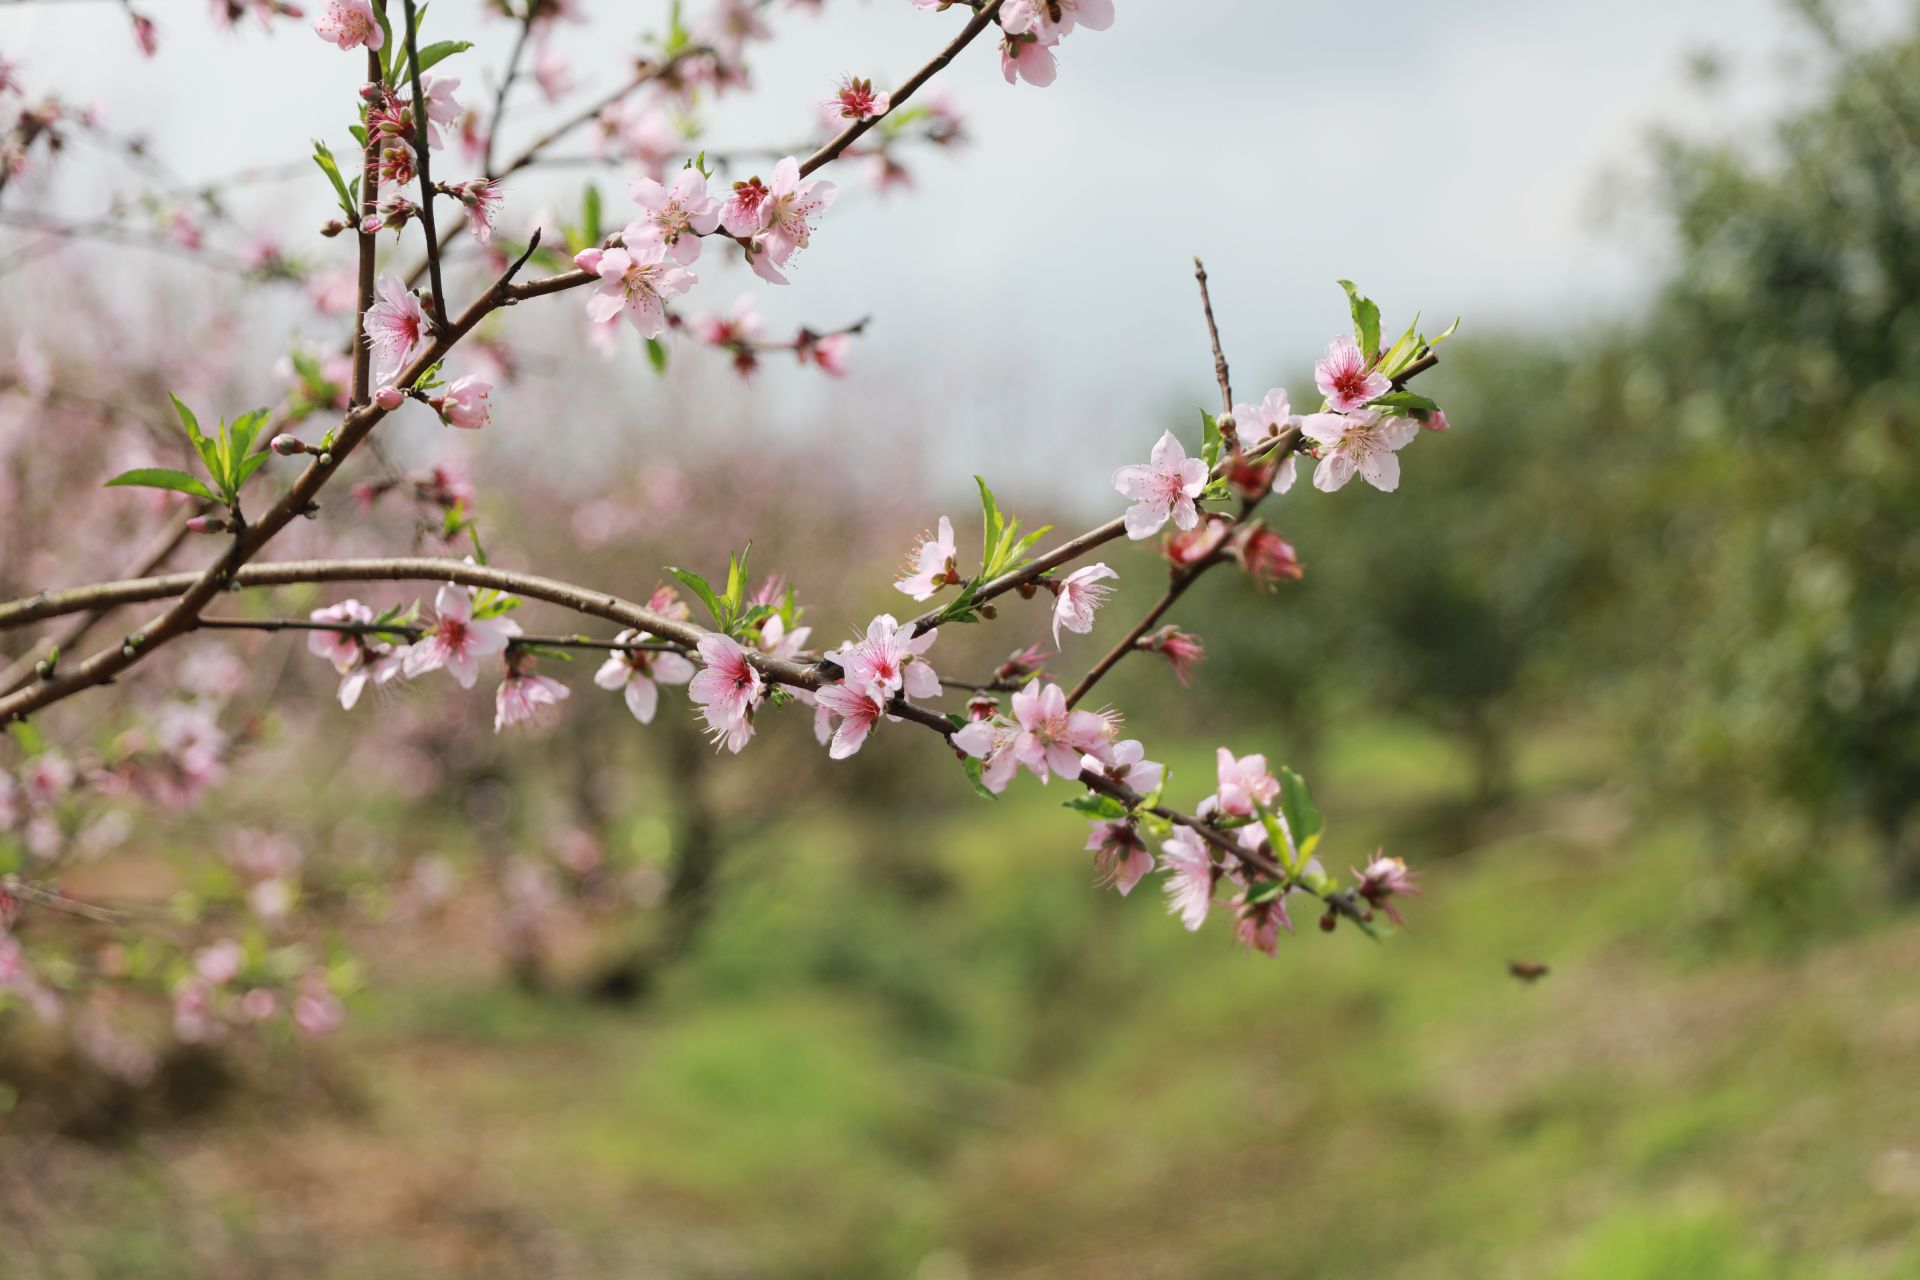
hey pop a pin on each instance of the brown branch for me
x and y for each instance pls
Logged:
(849, 135)
(1182, 579)
(411, 631)
(421, 137)
(21, 673)
(1226, 423)
(506, 84)
(369, 204)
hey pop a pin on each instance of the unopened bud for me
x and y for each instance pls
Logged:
(389, 398)
(332, 227)
(988, 611)
(1327, 922)
(287, 445)
(982, 707)
(206, 524)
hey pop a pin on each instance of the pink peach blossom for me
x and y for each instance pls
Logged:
(857, 707)
(464, 403)
(1120, 857)
(1077, 596)
(1163, 489)
(640, 672)
(889, 660)
(727, 687)
(1188, 862)
(635, 282)
(526, 698)
(931, 563)
(457, 640)
(1053, 738)
(1360, 442)
(674, 217)
(349, 24)
(1344, 379)
(396, 327)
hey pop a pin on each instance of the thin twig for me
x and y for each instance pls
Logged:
(420, 135)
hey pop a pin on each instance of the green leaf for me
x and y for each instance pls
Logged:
(1448, 334)
(440, 51)
(737, 582)
(1366, 321)
(323, 156)
(701, 588)
(161, 478)
(388, 50)
(995, 525)
(1403, 400)
(1303, 819)
(1280, 839)
(657, 355)
(187, 420)
(1264, 891)
(1401, 353)
(1211, 442)
(976, 774)
(1097, 804)
(590, 215)
(246, 429)
(248, 465)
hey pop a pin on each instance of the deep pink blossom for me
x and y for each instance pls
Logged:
(481, 200)
(1382, 880)
(1182, 649)
(349, 24)
(550, 70)
(396, 327)
(853, 101)
(640, 672)
(1344, 379)
(931, 565)
(1120, 857)
(674, 217)
(727, 687)
(457, 640)
(1266, 556)
(1163, 489)
(1360, 442)
(1077, 596)
(828, 351)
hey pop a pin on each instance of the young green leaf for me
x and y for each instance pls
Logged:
(1366, 321)
(161, 478)
(701, 588)
(1097, 805)
(323, 156)
(440, 51)
(657, 355)
(1303, 819)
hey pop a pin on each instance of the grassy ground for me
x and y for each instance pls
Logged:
(944, 1057)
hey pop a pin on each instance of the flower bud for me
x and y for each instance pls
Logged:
(389, 398)
(207, 524)
(287, 445)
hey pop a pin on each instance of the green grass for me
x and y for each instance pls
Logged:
(949, 1051)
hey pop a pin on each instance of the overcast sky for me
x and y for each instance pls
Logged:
(1036, 287)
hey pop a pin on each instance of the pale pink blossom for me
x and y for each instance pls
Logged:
(220, 963)
(1244, 785)
(635, 282)
(457, 640)
(441, 107)
(1182, 650)
(1051, 19)
(1126, 763)
(1256, 423)
(316, 1011)
(890, 660)
(1077, 596)
(775, 639)
(1163, 489)
(1027, 57)
(931, 565)
(675, 217)
(857, 707)
(1188, 862)
(1344, 379)
(1362, 442)
(481, 200)
(1053, 738)
(526, 698)
(550, 70)
(788, 214)
(640, 672)
(350, 24)
(991, 740)
(396, 327)
(341, 648)
(146, 35)
(647, 135)
(1120, 857)
(727, 687)
(464, 403)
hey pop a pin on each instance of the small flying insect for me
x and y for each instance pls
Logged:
(1528, 970)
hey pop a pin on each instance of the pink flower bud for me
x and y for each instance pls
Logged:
(389, 398)
(206, 524)
(287, 445)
